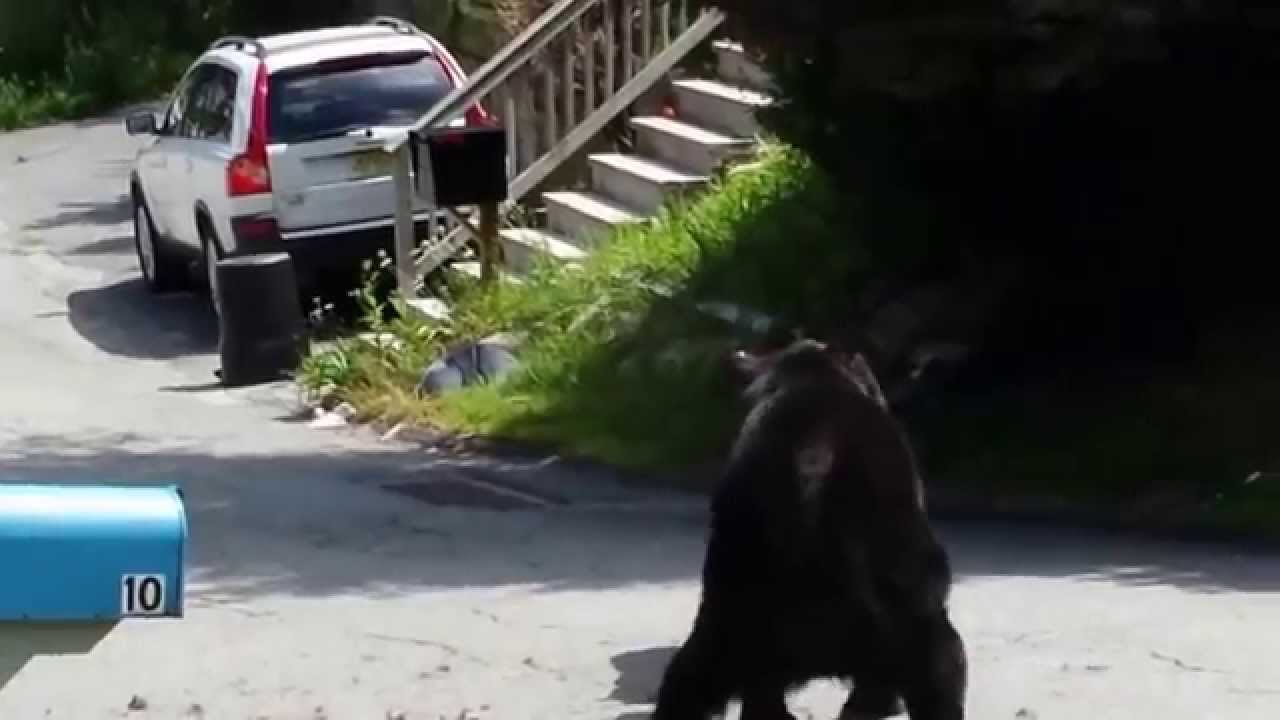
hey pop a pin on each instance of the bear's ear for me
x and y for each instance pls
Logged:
(860, 371)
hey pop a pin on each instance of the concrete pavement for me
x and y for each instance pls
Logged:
(338, 576)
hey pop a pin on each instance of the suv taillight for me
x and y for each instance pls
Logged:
(248, 173)
(476, 116)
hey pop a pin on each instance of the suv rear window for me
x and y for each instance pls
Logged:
(336, 97)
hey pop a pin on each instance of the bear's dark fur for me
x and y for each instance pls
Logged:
(821, 561)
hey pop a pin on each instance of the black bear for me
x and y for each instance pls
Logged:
(821, 561)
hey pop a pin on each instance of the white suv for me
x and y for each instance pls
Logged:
(273, 144)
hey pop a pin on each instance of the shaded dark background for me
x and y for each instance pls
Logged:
(1118, 155)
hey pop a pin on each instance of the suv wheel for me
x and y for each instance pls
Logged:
(211, 254)
(160, 271)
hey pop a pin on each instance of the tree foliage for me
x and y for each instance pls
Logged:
(35, 39)
(62, 58)
(1113, 151)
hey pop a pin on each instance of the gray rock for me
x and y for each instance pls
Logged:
(484, 361)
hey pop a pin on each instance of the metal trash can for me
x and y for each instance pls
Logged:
(262, 331)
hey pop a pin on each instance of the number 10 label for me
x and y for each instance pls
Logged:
(142, 595)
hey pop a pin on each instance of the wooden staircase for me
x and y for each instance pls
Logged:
(579, 70)
(711, 122)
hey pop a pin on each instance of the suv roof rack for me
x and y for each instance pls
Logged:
(240, 42)
(395, 23)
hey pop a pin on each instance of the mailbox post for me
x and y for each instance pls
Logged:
(406, 273)
(450, 168)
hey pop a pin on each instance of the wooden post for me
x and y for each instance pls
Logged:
(646, 30)
(549, 111)
(664, 22)
(610, 51)
(628, 40)
(527, 130)
(511, 120)
(567, 84)
(589, 71)
(490, 245)
(406, 272)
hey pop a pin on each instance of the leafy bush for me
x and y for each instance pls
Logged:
(65, 58)
(1112, 151)
(23, 104)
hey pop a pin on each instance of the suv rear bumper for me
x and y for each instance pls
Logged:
(337, 249)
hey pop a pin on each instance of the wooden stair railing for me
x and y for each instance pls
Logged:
(554, 87)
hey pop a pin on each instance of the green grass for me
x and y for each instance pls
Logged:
(612, 368)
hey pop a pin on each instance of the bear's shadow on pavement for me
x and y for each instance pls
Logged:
(639, 673)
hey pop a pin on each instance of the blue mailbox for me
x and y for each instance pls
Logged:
(91, 553)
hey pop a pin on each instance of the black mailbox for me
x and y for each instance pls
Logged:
(461, 166)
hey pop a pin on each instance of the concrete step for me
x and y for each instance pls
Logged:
(585, 218)
(721, 106)
(471, 268)
(693, 148)
(429, 308)
(735, 67)
(468, 267)
(638, 182)
(524, 246)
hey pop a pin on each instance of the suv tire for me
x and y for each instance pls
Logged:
(161, 272)
(210, 254)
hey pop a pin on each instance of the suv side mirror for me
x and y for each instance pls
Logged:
(142, 123)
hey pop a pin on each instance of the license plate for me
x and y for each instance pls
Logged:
(373, 164)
